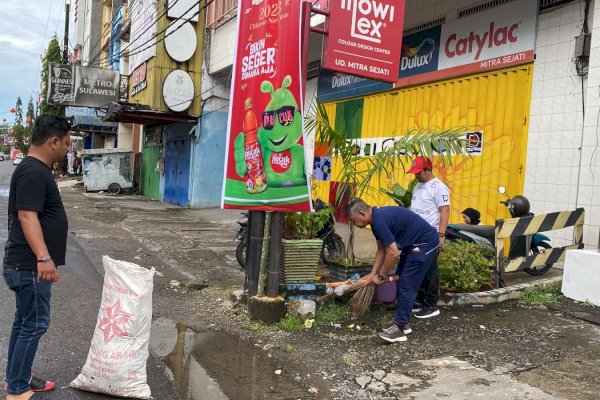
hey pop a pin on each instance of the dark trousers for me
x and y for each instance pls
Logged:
(31, 321)
(429, 292)
(412, 267)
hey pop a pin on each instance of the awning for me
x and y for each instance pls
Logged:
(87, 123)
(144, 115)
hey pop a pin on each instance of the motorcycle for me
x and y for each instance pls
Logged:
(240, 235)
(333, 244)
(518, 206)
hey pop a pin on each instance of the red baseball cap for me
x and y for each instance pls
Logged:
(420, 164)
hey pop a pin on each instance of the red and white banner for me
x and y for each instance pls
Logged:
(265, 155)
(364, 38)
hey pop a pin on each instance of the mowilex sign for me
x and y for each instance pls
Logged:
(74, 85)
(363, 38)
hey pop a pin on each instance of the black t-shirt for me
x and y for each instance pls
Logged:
(33, 188)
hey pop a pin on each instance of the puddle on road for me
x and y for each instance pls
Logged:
(218, 366)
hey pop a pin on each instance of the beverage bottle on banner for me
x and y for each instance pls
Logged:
(256, 180)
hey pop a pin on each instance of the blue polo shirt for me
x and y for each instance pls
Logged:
(400, 225)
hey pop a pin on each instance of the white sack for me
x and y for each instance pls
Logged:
(116, 362)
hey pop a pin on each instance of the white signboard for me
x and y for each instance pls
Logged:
(499, 37)
(180, 40)
(187, 9)
(178, 90)
(143, 31)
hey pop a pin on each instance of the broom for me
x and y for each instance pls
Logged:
(360, 302)
(350, 288)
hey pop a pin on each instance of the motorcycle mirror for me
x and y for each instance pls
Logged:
(502, 190)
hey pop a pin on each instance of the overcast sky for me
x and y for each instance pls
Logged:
(26, 27)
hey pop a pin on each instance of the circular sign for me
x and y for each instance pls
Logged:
(180, 40)
(178, 90)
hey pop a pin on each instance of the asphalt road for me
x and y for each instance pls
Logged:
(75, 303)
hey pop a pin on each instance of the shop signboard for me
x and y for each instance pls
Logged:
(498, 38)
(335, 85)
(74, 85)
(143, 31)
(265, 154)
(363, 38)
(501, 37)
(420, 52)
(138, 79)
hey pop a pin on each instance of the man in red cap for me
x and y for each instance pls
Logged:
(430, 200)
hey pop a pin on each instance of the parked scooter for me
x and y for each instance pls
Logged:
(518, 206)
(333, 244)
(240, 235)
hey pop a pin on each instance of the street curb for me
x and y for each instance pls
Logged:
(493, 296)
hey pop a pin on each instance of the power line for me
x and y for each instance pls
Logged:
(148, 43)
(155, 17)
(43, 43)
(109, 27)
(18, 51)
(59, 16)
(122, 51)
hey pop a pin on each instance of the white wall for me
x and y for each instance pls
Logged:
(420, 11)
(222, 46)
(589, 176)
(552, 172)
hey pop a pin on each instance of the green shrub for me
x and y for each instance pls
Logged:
(330, 313)
(542, 294)
(465, 266)
(306, 225)
(291, 323)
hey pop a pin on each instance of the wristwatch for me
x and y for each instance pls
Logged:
(44, 259)
(441, 234)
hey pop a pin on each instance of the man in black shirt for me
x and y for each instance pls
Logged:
(36, 245)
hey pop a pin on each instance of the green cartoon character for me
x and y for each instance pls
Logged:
(278, 135)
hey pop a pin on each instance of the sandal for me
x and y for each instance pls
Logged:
(38, 385)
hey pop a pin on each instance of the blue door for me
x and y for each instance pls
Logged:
(177, 171)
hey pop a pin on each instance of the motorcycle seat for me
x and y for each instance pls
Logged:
(486, 231)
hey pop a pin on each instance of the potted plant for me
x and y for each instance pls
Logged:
(300, 247)
(365, 176)
(465, 266)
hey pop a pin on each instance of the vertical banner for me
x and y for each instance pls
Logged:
(265, 156)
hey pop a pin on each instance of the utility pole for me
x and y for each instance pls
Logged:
(66, 38)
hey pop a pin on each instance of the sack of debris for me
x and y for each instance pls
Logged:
(116, 362)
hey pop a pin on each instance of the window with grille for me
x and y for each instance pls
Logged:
(219, 12)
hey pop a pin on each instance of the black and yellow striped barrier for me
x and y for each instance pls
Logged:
(511, 228)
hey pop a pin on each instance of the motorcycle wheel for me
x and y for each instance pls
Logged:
(240, 253)
(542, 269)
(333, 248)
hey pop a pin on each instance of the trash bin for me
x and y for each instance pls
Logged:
(107, 170)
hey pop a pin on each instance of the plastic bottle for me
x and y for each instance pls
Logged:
(256, 180)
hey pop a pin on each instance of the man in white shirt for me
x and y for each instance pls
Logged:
(430, 200)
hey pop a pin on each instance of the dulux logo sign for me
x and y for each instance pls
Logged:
(418, 56)
(368, 17)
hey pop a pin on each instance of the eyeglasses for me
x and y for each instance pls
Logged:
(285, 116)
